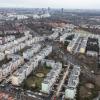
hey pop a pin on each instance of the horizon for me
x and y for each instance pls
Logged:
(76, 4)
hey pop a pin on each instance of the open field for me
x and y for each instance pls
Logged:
(82, 31)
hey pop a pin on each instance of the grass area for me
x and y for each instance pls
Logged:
(82, 31)
(36, 81)
(86, 93)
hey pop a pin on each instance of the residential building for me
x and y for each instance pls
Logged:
(30, 52)
(51, 78)
(73, 81)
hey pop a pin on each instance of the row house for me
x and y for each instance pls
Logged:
(18, 76)
(73, 81)
(26, 69)
(50, 63)
(42, 54)
(6, 46)
(30, 52)
(8, 68)
(15, 42)
(72, 44)
(15, 48)
(54, 35)
(34, 40)
(6, 39)
(83, 45)
(51, 78)
(64, 36)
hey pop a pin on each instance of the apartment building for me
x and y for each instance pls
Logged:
(18, 76)
(72, 45)
(34, 40)
(11, 44)
(6, 39)
(15, 48)
(52, 76)
(54, 35)
(83, 45)
(26, 69)
(64, 36)
(8, 68)
(73, 81)
(30, 52)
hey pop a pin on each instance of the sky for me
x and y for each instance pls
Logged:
(68, 4)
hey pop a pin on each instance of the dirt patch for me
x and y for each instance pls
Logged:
(97, 80)
(84, 92)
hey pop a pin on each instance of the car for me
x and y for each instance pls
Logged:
(31, 95)
(2, 85)
(28, 91)
(39, 93)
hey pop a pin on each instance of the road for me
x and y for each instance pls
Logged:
(62, 81)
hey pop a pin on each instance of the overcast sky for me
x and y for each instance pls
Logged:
(71, 4)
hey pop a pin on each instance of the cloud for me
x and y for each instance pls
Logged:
(81, 4)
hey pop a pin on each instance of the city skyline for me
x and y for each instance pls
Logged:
(72, 4)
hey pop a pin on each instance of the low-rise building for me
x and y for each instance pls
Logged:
(52, 76)
(15, 48)
(8, 68)
(70, 93)
(11, 44)
(54, 35)
(30, 52)
(34, 40)
(73, 81)
(18, 76)
(92, 53)
(83, 45)
(26, 69)
(64, 36)
(6, 39)
(71, 45)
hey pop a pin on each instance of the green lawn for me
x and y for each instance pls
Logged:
(33, 79)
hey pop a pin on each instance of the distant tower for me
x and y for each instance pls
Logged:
(48, 9)
(62, 10)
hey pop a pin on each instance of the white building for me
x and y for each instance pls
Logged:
(8, 68)
(30, 52)
(70, 93)
(49, 63)
(6, 39)
(51, 78)
(34, 40)
(11, 44)
(46, 15)
(54, 35)
(83, 45)
(18, 76)
(27, 68)
(17, 16)
(36, 16)
(72, 43)
(15, 49)
(92, 53)
(64, 36)
(73, 82)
